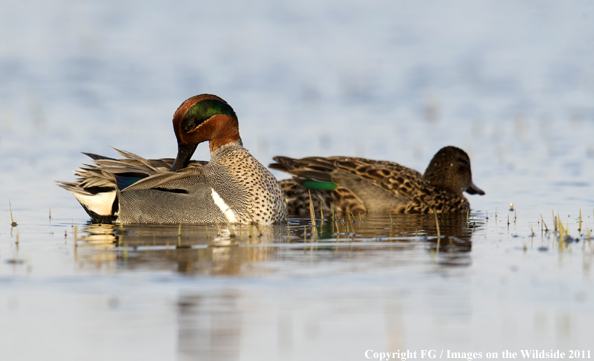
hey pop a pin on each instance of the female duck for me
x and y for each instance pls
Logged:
(233, 186)
(361, 185)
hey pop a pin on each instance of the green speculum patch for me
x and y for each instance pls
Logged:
(319, 185)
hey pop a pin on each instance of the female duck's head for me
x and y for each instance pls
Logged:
(450, 170)
(202, 118)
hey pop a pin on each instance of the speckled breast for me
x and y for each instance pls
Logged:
(247, 187)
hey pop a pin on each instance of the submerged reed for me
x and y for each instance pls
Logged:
(312, 212)
(438, 232)
(230, 227)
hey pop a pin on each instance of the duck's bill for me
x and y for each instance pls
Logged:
(184, 154)
(473, 189)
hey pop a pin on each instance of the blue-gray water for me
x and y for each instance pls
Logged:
(510, 82)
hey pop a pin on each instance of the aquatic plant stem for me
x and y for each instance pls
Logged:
(467, 213)
(12, 222)
(438, 232)
(312, 212)
(230, 227)
(543, 222)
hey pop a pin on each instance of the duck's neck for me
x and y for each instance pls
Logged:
(225, 149)
(225, 130)
(219, 146)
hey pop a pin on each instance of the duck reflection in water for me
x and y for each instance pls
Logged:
(212, 250)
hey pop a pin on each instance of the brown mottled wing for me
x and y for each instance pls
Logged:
(361, 182)
(312, 168)
(343, 200)
(404, 183)
(383, 186)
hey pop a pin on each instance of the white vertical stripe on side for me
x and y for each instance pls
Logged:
(227, 211)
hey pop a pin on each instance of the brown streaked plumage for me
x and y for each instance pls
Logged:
(365, 185)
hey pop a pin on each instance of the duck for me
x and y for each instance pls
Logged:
(232, 187)
(351, 185)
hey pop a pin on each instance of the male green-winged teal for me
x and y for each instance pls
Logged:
(233, 186)
(361, 185)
